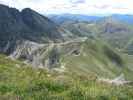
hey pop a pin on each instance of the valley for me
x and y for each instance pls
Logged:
(65, 57)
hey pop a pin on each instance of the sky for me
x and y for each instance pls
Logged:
(88, 7)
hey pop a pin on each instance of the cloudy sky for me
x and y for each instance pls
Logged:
(91, 7)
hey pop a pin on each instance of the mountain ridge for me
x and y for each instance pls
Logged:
(44, 44)
(27, 24)
(59, 18)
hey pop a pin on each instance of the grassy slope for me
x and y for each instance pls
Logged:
(98, 59)
(19, 82)
(116, 33)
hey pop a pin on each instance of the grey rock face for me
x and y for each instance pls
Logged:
(44, 55)
(28, 51)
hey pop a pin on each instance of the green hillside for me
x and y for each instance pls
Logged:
(70, 60)
(20, 82)
(97, 58)
(115, 32)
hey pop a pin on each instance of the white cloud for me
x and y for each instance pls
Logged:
(74, 6)
(77, 1)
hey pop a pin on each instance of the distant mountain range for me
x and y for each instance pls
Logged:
(124, 18)
(116, 29)
(65, 57)
(73, 17)
(77, 17)
(68, 44)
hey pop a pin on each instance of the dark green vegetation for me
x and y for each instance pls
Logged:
(20, 82)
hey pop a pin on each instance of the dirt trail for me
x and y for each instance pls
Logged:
(120, 80)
